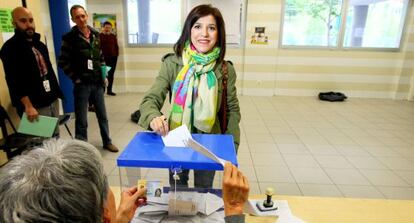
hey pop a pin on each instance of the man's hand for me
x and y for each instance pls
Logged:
(235, 190)
(160, 125)
(128, 204)
(106, 82)
(31, 113)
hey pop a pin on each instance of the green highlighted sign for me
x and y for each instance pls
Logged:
(6, 21)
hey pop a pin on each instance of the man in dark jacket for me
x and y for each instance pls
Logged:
(110, 51)
(32, 83)
(81, 59)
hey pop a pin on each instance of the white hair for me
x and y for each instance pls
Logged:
(63, 181)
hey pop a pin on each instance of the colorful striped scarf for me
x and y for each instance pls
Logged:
(194, 96)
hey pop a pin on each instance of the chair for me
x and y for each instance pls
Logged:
(63, 119)
(12, 144)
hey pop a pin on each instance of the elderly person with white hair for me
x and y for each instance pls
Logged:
(62, 182)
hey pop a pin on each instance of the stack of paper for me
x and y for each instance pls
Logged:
(283, 211)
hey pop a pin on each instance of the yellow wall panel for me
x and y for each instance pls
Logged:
(148, 50)
(255, 84)
(140, 81)
(266, 68)
(333, 85)
(336, 70)
(143, 66)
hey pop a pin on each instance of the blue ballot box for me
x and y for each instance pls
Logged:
(147, 149)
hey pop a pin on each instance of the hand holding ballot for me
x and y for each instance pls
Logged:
(235, 190)
(130, 201)
(160, 125)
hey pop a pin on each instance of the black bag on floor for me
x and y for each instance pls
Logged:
(135, 116)
(332, 96)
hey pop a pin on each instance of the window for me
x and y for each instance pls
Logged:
(311, 22)
(160, 21)
(367, 23)
(153, 21)
(375, 24)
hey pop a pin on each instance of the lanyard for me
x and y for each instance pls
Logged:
(41, 64)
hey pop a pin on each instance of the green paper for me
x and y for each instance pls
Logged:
(45, 126)
(105, 70)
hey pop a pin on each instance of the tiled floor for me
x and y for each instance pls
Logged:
(361, 148)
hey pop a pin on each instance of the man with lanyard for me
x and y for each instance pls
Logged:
(81, 59)
(32, 82)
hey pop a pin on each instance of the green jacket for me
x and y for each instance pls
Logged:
(154, 99)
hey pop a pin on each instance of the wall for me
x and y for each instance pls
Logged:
(4, 91)
(270, 70)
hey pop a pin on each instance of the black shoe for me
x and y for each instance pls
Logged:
(111, 93)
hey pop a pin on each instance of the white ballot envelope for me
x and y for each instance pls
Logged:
(181, 137)
(176, 137)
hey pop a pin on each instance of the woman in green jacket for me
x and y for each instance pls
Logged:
(193, 77)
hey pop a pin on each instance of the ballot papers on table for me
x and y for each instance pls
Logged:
(44, 126)
(283, 211)
(147, 149)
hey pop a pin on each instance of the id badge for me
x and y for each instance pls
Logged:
(90, 64)
(46, 85)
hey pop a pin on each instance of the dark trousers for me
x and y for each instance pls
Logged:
(111, 61)
(82, 93)
(202, 179)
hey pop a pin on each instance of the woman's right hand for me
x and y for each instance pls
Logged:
(160, 125)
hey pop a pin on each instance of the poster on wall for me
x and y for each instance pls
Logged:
(6, 27)
(6, 21)
(100, 19)
(259, 36)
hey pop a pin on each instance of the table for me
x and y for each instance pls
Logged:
(343, 210)
(336, 210)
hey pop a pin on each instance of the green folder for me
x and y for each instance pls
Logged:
(44, 126)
